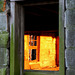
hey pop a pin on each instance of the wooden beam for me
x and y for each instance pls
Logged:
(40, 3)
(61, 39)
(16, 39)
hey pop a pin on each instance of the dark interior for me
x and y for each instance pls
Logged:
(41, 17)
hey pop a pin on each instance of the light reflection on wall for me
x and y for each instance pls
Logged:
(47, 54)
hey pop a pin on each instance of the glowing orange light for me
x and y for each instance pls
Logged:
(47, 54)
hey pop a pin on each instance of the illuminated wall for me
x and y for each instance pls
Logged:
(47, 54)
(47, 51)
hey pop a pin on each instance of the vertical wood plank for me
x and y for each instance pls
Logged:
(12, 43)
(17, 39)
(22, 42)
(61, 38)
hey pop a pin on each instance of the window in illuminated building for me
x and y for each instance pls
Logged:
(33, 47)
(41, 52)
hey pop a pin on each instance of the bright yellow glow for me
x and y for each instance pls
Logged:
(47, 54)
(26, 53)
(47, 51)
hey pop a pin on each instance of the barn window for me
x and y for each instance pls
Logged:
(42, 21)
(41, 38)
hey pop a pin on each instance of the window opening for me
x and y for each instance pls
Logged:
(41, 47)
(33, 48)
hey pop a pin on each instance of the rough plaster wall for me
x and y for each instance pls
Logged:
(70, 37)
(47, 51)
(3, 44)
